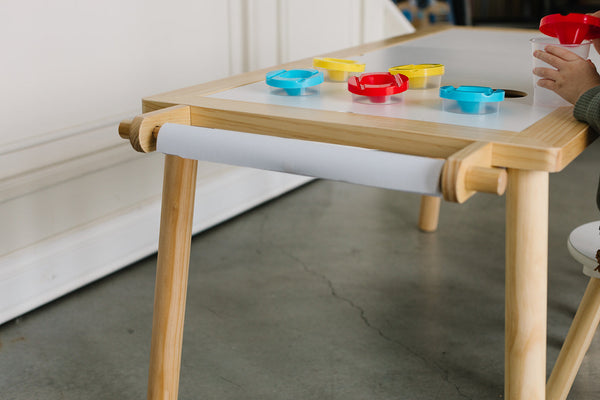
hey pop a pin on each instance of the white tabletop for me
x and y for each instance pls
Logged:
(470, 59)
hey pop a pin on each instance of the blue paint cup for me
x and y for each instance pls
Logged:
(471, 99)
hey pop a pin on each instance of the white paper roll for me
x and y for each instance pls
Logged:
(320, 160)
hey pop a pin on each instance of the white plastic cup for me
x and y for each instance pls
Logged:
(546, 97)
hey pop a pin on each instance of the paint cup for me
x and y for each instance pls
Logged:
(546, 97)
(377, 87)
(421, 76)
(471, 99)
(337, 69)
(294, 82)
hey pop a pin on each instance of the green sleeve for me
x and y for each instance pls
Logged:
(587, 108)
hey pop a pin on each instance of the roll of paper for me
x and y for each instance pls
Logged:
(315, 159)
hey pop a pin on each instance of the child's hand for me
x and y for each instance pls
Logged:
(573, 75)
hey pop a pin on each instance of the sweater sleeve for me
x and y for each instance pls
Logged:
(587, 108)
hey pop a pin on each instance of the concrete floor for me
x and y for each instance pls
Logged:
(329, 292)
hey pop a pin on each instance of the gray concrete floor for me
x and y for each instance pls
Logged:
(329, 292)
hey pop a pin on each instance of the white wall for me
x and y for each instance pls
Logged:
(76, 202)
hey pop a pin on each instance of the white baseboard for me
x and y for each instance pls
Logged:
(45, 270)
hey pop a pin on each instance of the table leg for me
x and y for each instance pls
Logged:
(526, 284)
(429, 213)
(576, 344)
(171, 277)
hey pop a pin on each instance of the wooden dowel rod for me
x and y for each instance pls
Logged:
(143, 129)
(487, 180)
(125, 129)
(576, 344)
(469, 171)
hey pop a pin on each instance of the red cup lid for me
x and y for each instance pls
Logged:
(571, 28)
(378, 84)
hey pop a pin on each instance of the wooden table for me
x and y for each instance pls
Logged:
(527, 142)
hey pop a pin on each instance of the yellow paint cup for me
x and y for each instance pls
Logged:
(338, 70)
(421, 76)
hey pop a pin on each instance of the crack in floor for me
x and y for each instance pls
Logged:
(231, 382)
(368, 324)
